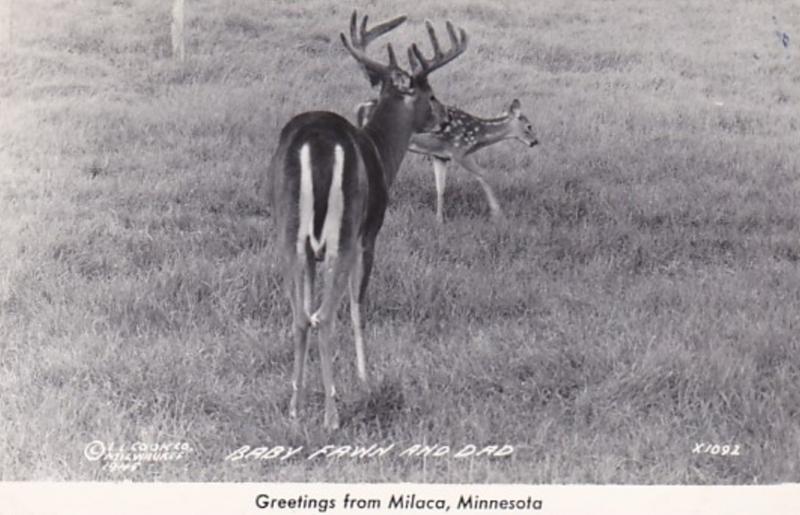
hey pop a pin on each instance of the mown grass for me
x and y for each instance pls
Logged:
(642, 295)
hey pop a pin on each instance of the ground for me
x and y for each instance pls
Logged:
(640, 298)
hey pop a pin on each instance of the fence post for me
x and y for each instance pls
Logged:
(178, 41)
(8, 27)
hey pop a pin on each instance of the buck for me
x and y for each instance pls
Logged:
(457, 138)
(329, 182)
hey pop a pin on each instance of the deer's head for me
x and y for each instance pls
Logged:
(404, 92)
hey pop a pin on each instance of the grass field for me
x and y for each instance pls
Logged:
(642, 296)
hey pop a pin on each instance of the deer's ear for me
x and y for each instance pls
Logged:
(364, 112)
(515, 107)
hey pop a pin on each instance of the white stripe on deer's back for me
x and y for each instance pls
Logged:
(333, 218)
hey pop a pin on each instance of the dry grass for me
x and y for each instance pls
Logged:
(641, 297)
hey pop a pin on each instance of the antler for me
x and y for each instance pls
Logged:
(364, 37)
(423, 67)
(361, 38)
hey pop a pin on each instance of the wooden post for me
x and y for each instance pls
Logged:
(178, 42)
(8, 26)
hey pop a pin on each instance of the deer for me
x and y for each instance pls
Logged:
(329, 183)
(457, 138)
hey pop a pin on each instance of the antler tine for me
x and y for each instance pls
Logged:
(392, 58)
(412, 61)
(353, 26)
(362, 33)
(362, 37)
(458, 44)
(382, 28)
(451, 31)
(437, 50)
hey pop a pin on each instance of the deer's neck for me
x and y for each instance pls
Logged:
(490, 131)
(390, 128)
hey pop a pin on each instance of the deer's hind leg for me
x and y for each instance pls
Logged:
(300, 287)
(337, 269)
(356, 278)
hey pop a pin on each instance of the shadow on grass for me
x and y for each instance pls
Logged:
(380, 408)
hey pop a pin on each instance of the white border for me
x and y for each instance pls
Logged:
(85, 498)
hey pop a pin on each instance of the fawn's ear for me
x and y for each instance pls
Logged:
(515, 107)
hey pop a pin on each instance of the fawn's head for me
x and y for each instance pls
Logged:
(521, 127)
